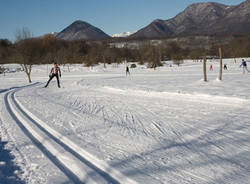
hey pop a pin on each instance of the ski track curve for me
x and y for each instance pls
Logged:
(125, 115)
(138, 119)
(51, 143)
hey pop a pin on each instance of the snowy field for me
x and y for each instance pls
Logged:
(152, 127)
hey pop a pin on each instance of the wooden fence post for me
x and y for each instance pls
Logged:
(220, 74)
(205, 68)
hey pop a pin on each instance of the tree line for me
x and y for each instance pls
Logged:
(44, 50)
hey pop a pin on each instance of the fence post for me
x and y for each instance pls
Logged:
(205, 68)
(220, 74)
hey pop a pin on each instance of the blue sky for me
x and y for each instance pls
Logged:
(112, 16)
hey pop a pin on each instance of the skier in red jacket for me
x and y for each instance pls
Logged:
(55, 72)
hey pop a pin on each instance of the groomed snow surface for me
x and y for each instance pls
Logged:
(154, 126)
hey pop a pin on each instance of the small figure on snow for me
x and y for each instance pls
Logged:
(55, 72)
(127, 71)
(235, 61)
(211, 67)
(225, 66)
(244, 66)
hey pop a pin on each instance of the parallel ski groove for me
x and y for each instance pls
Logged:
(102, 168)
(38, 144)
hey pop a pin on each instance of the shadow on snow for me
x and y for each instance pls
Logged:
(8, 169)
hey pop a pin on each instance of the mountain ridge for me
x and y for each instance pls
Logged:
(80, 30)
(201, 19)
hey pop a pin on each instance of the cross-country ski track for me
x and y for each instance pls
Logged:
(163, 126)
(73, 161)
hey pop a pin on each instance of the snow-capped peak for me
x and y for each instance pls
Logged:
(124, 34)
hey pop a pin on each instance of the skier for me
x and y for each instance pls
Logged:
(244, 65)
(127, 71)
(211, 67)
(54, 73)
(225, 66)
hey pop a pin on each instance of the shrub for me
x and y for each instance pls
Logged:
(133, 65)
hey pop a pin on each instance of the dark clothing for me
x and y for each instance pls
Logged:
(51, 77)
(55, 72)
(244, 63)
(127, 70)
(225, 67)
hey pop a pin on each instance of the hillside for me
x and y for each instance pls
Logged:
(201, 19)
(79, 30)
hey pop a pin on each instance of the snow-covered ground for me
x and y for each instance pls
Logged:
(154, 126)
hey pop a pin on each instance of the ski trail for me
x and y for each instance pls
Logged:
(18, 87)
(132, 112)
(45, 146)
(62, 151)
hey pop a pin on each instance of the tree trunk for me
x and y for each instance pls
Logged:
(27, 69)
(68, 68)
(220, 74)
(205, 68)
(104, 62)
(29, 78)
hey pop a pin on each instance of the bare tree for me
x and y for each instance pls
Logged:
(22, 34)
(150, 54)
(27, 50)
(5, 51)
(177, 59)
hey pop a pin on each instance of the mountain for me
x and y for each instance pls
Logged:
(201, 19)
(124, 34)
(80, 30)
